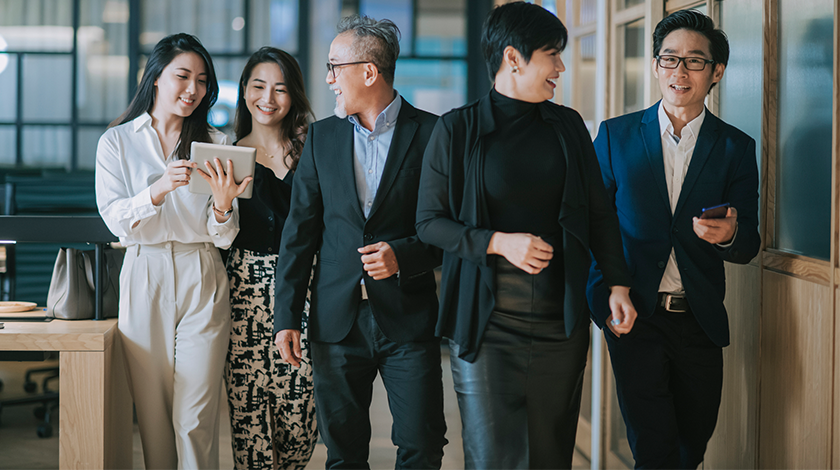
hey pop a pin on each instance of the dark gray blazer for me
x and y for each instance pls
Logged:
(325, 217)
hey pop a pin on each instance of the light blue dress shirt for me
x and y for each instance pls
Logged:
(370, 149)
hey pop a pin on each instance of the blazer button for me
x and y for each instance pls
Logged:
(661, 264)
(368, 236)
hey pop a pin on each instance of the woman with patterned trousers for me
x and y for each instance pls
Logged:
(272, 409)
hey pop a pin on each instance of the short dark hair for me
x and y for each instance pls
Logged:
(524, 26)
(296, 123)
(375, 41)
(693, 20)
(195, 128)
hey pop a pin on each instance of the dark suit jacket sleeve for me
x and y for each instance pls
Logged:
(742, 194)
(301, 236)
(415, 257)
(605, 237)
(435, 223)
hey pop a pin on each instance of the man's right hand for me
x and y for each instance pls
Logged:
(288, 342)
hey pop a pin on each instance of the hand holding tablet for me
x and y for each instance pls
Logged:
(241, 158)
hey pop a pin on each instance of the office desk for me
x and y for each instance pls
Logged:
(95, 415)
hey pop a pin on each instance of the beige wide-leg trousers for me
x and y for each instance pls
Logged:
(175, 324)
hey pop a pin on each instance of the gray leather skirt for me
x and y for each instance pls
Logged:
(520, 398)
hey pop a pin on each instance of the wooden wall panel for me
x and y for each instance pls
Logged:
(734, 444)
(835, 454)
(795, 373)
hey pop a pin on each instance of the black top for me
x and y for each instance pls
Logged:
(452, 213)
(524, 170)
(261, 218)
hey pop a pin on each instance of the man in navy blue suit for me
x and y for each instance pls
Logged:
(661, 167)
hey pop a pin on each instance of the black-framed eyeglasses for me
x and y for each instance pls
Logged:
(331, 67)
(691, 63)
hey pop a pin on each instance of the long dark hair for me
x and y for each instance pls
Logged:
(296, 123)
(195, 128)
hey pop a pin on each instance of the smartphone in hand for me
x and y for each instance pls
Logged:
(715, 212)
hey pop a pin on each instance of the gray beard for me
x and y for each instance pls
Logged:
(339, 111)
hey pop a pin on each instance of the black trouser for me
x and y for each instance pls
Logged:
(344, 374)
(668, 376)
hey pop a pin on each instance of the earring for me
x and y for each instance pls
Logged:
(514, 69)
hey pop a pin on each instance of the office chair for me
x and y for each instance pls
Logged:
(48, 398)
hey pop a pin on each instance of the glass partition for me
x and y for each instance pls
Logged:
(806, 60)
(632, 66)
(741, 87)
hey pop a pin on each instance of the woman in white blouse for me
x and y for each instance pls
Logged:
(174, 304)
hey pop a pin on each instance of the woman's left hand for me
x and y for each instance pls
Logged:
(222, 184)
(623, 313)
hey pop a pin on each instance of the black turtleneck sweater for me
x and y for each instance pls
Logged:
(524, 170)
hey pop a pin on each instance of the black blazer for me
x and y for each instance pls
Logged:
(326, 217)
(452, 214)
(722, 169)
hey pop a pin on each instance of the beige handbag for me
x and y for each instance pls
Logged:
(72, 290)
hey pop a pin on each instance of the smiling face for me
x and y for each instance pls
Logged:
(540, 74)
(266, 95)
(684, 91)
(349, 84)
(181, 86)
(533, 81)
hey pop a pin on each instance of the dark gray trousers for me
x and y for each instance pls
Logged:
(344, 374)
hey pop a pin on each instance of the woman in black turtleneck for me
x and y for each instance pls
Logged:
(512, 191)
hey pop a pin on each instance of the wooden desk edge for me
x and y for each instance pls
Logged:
(58, 335)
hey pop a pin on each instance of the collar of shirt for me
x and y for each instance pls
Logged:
(386, 119)
(144, 119)
(370, 152)
(691, 129)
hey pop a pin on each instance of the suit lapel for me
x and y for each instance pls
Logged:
(344, 144)
(653, 147)
(705, 142)
(403, 135)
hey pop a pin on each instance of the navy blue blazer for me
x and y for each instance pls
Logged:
(722, 169)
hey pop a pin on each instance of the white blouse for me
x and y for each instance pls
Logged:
(129, 158)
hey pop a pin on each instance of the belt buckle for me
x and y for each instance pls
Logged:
(668, 299)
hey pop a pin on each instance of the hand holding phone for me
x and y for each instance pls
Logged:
(715, 212)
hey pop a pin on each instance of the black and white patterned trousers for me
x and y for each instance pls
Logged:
(272, 407)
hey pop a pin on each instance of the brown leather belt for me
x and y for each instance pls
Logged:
(674, 303)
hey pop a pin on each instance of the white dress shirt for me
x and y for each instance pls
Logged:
(129, 158)
(676, 152)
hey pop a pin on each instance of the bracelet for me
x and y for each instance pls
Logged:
(222, 213)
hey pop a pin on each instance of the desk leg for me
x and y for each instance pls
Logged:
(95, 423)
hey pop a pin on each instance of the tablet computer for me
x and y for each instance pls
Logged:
(243, 159)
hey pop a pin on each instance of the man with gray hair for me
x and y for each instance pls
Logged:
(374, 306)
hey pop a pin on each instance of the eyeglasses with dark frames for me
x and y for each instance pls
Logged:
(331, 67)
(691, 63)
